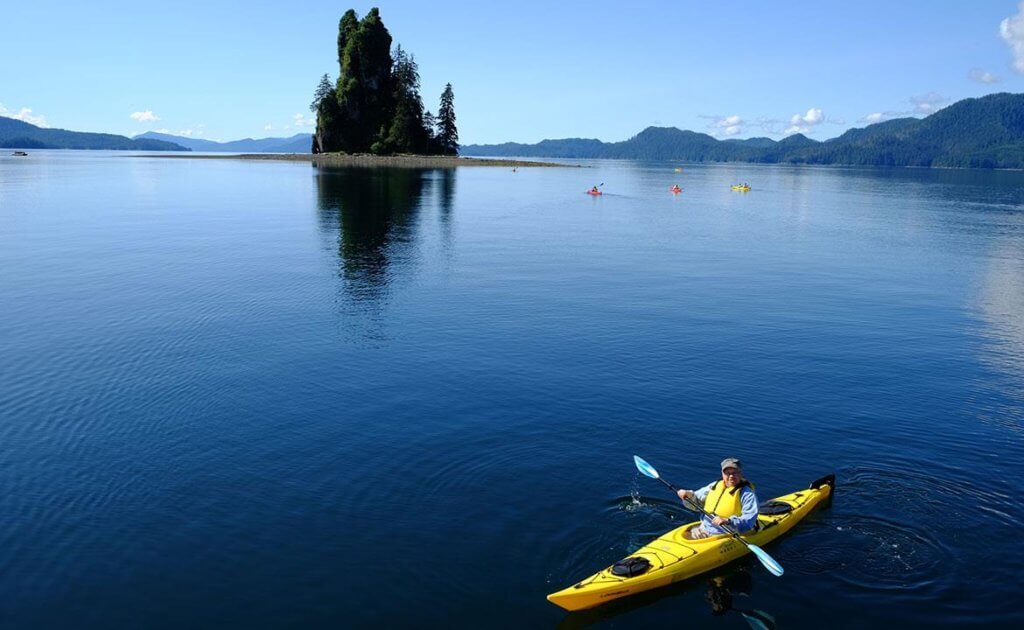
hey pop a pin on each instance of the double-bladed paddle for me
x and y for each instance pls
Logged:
(769, 562)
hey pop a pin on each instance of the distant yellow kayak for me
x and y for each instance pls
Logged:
(741, 188)
(674, 557)
(679, 170)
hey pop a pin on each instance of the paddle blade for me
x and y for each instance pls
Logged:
(765, 620)
(769, 562)
(645, 468)
(757, 619)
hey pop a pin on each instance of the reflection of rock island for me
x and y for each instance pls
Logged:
(375, 212)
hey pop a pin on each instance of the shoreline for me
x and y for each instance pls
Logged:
(365, 159)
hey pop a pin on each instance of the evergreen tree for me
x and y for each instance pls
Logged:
(347, 26)
(323, 90)
(447, 133)
(364, 85)
(406, 133)
(329, 120)
(429, 126)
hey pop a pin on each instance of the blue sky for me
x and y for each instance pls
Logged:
(522, 71)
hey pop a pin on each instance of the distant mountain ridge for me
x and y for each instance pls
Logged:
(299, 143)
(986, 132)
(18, 134)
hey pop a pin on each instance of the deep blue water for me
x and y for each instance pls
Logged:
(259, 394)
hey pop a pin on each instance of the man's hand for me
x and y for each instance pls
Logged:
(718, 520)
(685, 494)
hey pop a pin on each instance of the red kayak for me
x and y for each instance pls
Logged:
(594, 192)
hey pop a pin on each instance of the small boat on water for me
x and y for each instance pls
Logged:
(676, 189)
(741, 187)
(19, 154)
(674, 556)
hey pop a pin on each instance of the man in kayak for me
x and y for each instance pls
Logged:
(730, 499)
(594, 190)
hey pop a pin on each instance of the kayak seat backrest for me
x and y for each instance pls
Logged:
(774, 508)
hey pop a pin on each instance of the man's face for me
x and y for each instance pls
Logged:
(731, 476)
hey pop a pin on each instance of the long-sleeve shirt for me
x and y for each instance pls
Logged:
(742, 523)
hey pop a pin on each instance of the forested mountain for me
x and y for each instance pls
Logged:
(986, 132)
(22, 135)
(299, 143)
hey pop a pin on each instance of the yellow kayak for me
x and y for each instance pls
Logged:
(673, 557)
(741, 188)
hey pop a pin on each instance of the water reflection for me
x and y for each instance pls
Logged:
(446, 201)
(380, 222)
(1001, 306)
(374, 212)
(721, 592)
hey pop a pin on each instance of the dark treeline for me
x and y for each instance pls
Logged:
(985, 132)
(375, 105)
(21, 135)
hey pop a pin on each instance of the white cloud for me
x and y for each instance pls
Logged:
(922, 105)
(928, 103)
(982, 76)
(1012, 31)
(812, 117)
(186, 132)
(146, 116)
(724, 125)
(268, 127)
(24, 115)
(804, 123)
(878, 117)
(163, 130)
(300, 120)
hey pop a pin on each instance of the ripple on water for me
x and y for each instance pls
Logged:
(874, 554)
(934, 498)
(625, 524)
(894, 529)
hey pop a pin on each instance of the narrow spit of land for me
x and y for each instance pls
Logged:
(359, 159)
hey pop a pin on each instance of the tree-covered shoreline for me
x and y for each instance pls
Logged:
(375, 105)
(985, 132)
(17, 134)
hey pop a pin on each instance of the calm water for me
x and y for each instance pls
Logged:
(261, 395)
